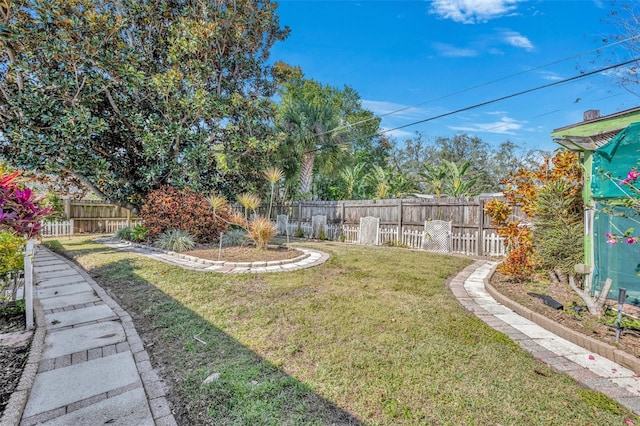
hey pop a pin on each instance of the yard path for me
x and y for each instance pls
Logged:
(593, 370)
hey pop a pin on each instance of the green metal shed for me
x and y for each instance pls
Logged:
(609, 147)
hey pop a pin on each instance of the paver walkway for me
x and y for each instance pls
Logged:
(593, 371)
(93, 368)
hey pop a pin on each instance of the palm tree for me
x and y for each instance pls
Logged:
(380, 180)
(309, 129)
(435, 177)
(273, 175)
(456, 178)
(351, 178)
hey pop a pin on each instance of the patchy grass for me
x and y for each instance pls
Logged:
(371, 336)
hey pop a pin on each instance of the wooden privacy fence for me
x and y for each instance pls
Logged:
(469, 222)
(97, 217)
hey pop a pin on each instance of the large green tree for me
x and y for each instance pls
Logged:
(125, 96)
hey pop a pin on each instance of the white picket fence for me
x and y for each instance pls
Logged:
(463, 243)
(64, 228)
(61, 228)
(331, 232)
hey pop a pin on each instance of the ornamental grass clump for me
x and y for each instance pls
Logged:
(261, 231)
(123, 233)
(176, 240)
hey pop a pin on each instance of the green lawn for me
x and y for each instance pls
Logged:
(372, 334)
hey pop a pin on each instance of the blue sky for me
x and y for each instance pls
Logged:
(448, 55)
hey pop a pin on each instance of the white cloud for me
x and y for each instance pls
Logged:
(451, 51)
(398, 134)
(472, 11)
(550, 75)
(506, 126)
(399, 111)
(517, 40)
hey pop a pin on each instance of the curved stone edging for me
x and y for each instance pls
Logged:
(13, 411)
(601, 348)
(255, 264)
(308, 258)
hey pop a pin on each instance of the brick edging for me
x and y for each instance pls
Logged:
(15, 407)
(601, 348)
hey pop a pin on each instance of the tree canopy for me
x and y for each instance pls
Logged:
(126, 96)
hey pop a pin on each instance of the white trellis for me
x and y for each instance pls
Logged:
(437, 236)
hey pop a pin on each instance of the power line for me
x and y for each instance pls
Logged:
(513, 95)
(483, 84)
(492, 101)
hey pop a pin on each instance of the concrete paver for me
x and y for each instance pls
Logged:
(63, 386)
(69, 300)
(71, 288)
(130, 408)
(54, 282)
(90, 336)
(78, 316)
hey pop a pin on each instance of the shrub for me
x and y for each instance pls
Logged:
(21, 210)
(261, 231)
(11, 261)
(234, 238)
(176, 240)
(123, 233)
(139, 234)
(11, 253)
(169, 208)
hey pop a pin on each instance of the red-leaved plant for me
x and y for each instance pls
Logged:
(168, 208)
(20, 208)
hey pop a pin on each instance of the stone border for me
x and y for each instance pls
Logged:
(223, 263)
(13, 411)
(601, 348)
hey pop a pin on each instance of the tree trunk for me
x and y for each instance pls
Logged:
(594, 304)
(306, 174)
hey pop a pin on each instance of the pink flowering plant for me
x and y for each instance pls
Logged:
(20, 208)
(628, 185)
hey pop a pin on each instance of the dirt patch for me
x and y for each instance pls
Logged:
(245, 254)
(13, 354)
(571, 316)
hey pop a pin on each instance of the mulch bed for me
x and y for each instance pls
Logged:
(12, 357)
(582, 322)
(245, 253)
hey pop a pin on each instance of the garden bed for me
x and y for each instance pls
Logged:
(244, 253)
(569, 317)
(14, 350)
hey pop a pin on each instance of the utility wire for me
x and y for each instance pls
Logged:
(492, 101)
(513, 95)
(481, 85)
